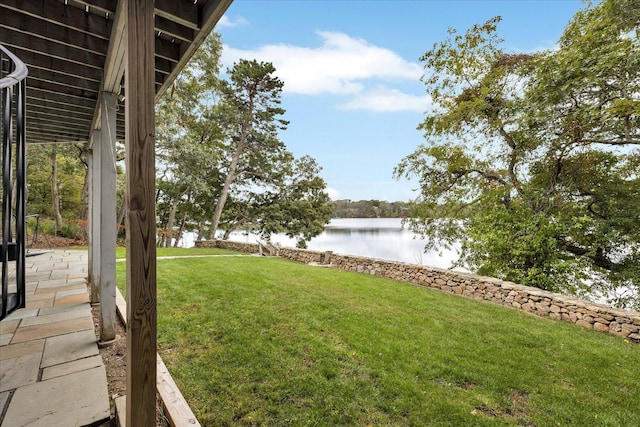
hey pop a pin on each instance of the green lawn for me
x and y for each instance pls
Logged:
(121, 252)
(268, 342)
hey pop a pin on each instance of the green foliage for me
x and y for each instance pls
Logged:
(71, 175)
(189, 142)
(530, 160)
(71, 229)
(268, 342)
(300, 208)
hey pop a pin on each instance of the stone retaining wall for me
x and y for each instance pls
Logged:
(623, 323)
(252, 248)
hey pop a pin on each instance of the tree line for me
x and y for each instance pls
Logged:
(346, 208)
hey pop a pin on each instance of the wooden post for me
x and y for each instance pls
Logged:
(141, 226)
(107, 203)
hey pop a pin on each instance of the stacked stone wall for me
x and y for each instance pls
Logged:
(306, 256)
(252, 248)
(623, 323)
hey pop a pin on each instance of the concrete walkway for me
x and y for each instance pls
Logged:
(51, 373)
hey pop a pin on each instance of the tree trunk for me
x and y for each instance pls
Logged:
(180, 230)
(170, 222)
(122, 211)
(84, 198)
(227, 233)
(55, 197)
(83, 155)
(201, 231)
(231, 176)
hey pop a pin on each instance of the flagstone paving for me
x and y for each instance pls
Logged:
(51, 373)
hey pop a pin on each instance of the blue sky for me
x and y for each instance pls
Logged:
(351, 73)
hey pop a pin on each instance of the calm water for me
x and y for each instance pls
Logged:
(381, 238)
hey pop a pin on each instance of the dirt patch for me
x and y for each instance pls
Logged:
(114, 357)
(519, 403)
(47, 241)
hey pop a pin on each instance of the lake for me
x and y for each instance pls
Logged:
(382, 238)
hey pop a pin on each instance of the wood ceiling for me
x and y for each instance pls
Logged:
(74, 49)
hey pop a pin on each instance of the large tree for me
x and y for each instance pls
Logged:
(299, 207)
(221, 162)
(189, 142)
(530, 161)
(251, 116)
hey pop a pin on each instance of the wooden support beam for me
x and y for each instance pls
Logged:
(55, 100)
(141, 226)
(174, 30)
(183, 13)
(44, 32)
(83, 117)
(67, 125)
(57, 12)
(102, 6)
(66, 91)
(56, 135)
(167, 50)
(32, 59)
(114, 62)
(46, 138)
(74, 57)
(209, 17)
(48, 75)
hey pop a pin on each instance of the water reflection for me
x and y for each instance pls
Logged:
(382, 238)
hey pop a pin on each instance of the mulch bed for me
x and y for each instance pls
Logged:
(114, 356)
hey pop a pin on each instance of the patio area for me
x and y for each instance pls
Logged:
(51, 373)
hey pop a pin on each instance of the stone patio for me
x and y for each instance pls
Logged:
(51, 373)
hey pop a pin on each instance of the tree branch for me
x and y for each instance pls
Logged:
(613, 142)
(599, 259)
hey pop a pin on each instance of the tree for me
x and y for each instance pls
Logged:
(530, 160)
(250, 111)
(300, 208)
(221, 162)
(294, 203)
(55, 198)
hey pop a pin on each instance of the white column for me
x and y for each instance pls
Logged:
(94, 216)
(107, 213)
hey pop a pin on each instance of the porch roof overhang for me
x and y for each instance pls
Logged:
(75, 50)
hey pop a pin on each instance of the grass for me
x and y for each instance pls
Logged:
(264, 341)
(121, 252)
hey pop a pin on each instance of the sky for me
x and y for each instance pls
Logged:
(351, 72)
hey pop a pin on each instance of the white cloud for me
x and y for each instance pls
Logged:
(332, 193)
(342, 65)
(227, 22)
(383, 99)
